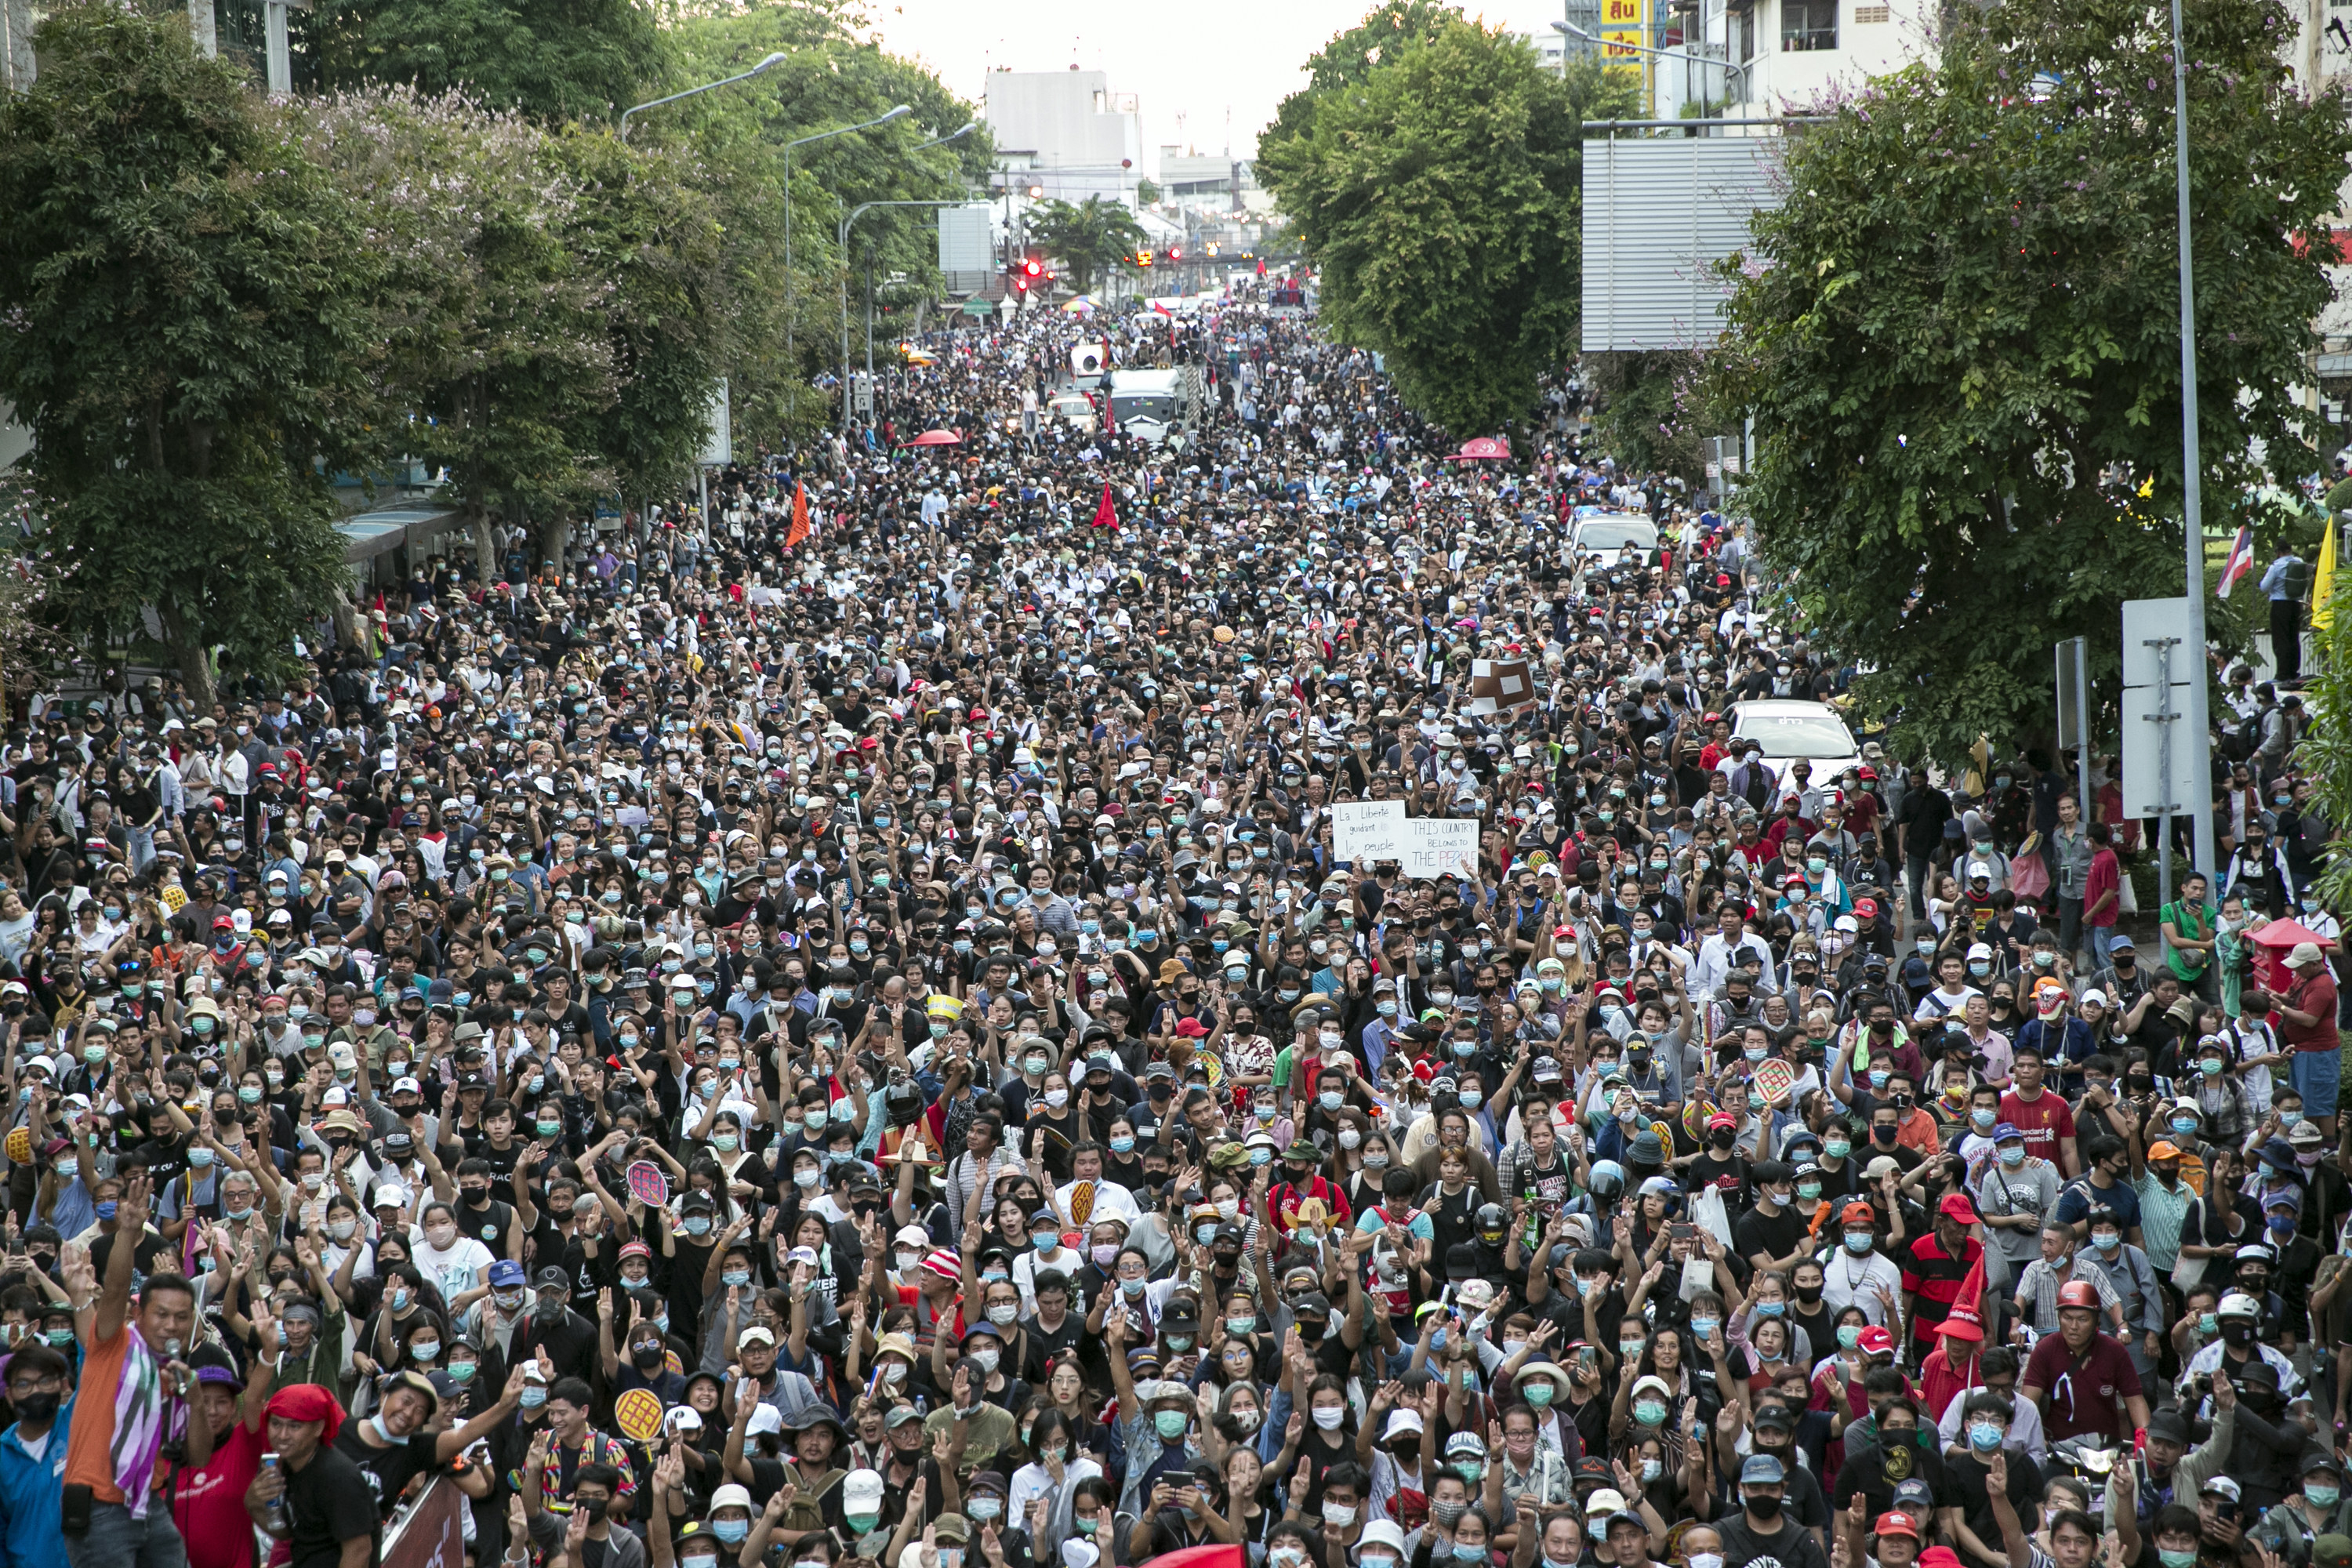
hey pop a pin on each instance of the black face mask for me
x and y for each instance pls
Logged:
(594, 1507)
(1722, 1138)
(38, 1407)
(1763, 1507)
(1884, 1134)
(646, 1358)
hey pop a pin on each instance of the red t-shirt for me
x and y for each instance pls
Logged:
(2081, 1395)
(2044, 1121)
(2317, 996)
(209, 1503)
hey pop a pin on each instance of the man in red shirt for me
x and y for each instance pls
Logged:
(2307, 1023)
(1299, 1184)
(2043, 1116)
(208, 1500)
(2076, 1376)
(1936, 1266)
(2101, 893)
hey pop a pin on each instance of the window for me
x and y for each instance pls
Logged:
(1809, 25)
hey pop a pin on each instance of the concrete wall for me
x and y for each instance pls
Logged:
(1086, 140)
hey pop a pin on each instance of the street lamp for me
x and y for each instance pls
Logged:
(968, 127)
(764, 65)
(1728, 68)
(900, 112)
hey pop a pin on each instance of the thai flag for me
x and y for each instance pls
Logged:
(2241, 559)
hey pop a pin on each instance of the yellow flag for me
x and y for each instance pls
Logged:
(2323, 580)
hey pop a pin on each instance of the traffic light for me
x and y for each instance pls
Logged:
(1175, 253)
(1033, 268)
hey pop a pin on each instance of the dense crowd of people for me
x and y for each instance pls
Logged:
(838, 1033)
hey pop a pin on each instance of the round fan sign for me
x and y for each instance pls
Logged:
(638, 1415)
(647, 1185)
(1774, 1080)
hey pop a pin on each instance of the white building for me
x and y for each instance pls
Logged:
(1079, 138)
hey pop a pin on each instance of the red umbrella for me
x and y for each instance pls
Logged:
(937, 438)
(1481, 447)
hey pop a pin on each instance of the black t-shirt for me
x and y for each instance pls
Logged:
(328, 1503)
(388, 1471)
(1790, 1546)
(1772, 1235)
(1964, 1488)
(487, 1225)
(151, 1247)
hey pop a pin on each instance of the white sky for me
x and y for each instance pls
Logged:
(1190, 64)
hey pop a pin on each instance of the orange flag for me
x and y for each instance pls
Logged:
(800, 528)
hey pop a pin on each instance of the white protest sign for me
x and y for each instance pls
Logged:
(1363, 831)
(1439, 846)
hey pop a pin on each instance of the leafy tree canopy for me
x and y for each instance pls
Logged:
(1439, 196)
(1960, 340)
(550, 59)
(1092, 238)
(190, 333)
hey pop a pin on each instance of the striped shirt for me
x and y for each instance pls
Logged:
(123, 1416)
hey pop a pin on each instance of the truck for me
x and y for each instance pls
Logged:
(1151, 402)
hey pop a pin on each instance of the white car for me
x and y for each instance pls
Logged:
(1605, 535)
(1790, 728)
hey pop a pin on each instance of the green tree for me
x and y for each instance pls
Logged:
(1092, 238)
(1439, 196)
(1959, 341)
(1645, 412)
(833, 75)
(552, 59)
(1353, 53)
(497, 336)
(646, 223)
(188, 340)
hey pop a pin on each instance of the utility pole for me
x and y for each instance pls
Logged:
(2199, 727)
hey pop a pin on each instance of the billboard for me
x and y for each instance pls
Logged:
(1623, 23)
(967, 239)
(1659, 212)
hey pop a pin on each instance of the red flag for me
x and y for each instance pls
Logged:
(799, 531)
(1106, 515)
(1202, 1557)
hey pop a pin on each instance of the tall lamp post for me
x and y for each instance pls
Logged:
(2198, 726)
(762, 68)
(899, 112)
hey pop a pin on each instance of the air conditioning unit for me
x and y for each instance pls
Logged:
(1090, 359)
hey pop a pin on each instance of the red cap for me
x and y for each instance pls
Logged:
(1875, 1341)
(1722, 1119)
(1896, 1523)
(1859, 1213)
(1866, 907)
(1957, 1206)
(1962, 1323)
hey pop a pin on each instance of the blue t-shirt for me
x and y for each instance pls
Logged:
(2078, 1198)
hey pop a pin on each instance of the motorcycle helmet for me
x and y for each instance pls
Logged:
(2078, 1293)
(1492, 1222)
(1608, 1181)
